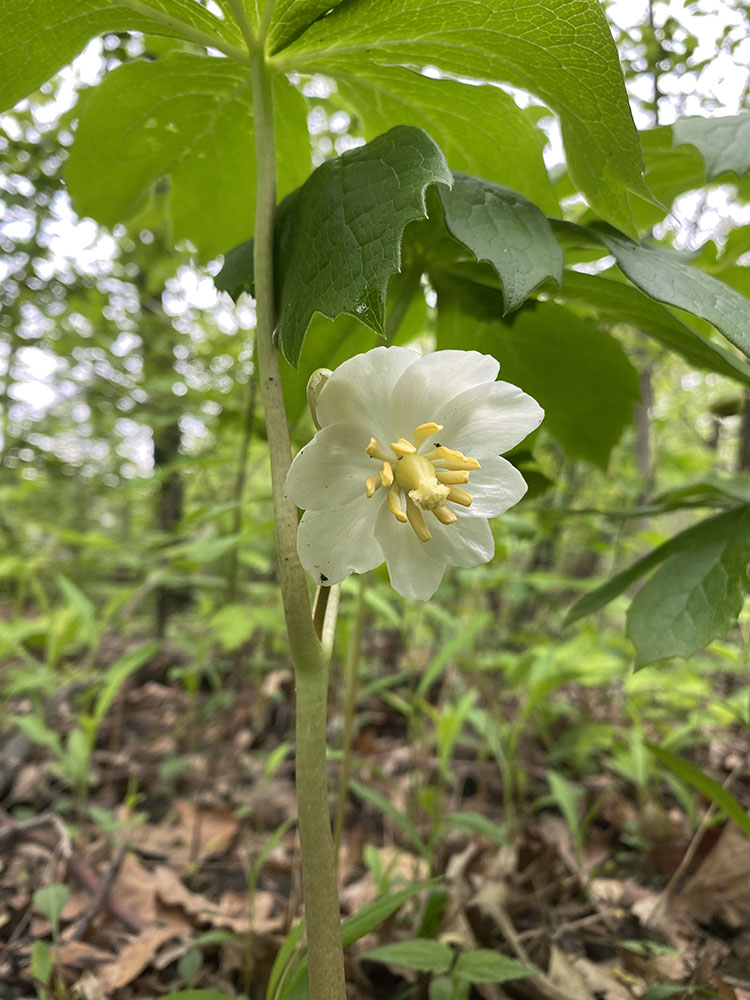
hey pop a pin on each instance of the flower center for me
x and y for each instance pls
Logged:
(417, 482)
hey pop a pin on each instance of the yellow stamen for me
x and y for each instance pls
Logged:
(394, 504)
(416, 520)
(447, 458)
(460, 496)
(386, 474)
(444, 515)
(375, 450)
(373, 483)
(403, 447)
(451, 478)
(422, 432)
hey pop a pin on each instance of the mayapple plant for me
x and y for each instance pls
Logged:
(451, 190)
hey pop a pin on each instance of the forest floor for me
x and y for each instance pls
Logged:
(181, 861)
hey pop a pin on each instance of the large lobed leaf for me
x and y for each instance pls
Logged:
(506, 230)
(481, 129)
(188, 117)
(562, 52)
(39, 37)
(338, 238)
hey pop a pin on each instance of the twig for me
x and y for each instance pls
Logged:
(18, 829)
(100, 895)
(79, 869)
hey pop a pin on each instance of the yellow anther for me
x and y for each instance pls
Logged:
(416, 520)
(386, 474)
(403, 447)
(444, 515)
(422, 432)
(375, 450)
(394, 504)
(460, 496)
(372, 483)
(451, 477)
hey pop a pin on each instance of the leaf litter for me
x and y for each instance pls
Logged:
(594, 913)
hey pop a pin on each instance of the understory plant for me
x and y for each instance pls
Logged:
(442, 228)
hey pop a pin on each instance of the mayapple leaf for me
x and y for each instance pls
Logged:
(338, 237)
(562, 52)
(696, 594)
(379, 97)
(291, 17)
(723, 142)
(720, 541)
(189, 117)
(39, 37)
(618, 302)
(502, 227)
(668, 277)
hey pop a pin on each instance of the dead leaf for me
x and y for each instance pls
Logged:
(210, 830)
(720, 889)
(135, 888)
(135, 957)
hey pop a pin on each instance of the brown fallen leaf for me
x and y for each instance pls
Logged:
(135, 888)
(233, 912)
(720, 889)
(209, 831)
(135, 957)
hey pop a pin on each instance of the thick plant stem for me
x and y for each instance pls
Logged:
(351, 670)
(326, 960)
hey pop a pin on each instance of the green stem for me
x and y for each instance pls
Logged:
(326, 960)
(240, 16)
(351, 671)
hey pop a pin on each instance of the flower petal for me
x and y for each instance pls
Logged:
(330, 471)
(424, 391)
(495, 487)
(360, 388)
(413, 573)
(334, 543)
(489, 419)
(466, 542)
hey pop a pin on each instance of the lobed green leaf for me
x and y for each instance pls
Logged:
(189, 117)
(562, 52)
(39, 37)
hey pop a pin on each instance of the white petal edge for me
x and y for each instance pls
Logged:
(330, 471)
(495, 488)
(334, 543)
(490, 419)
(426, 388)
(360, 388)
(413, 573)
(466, 542)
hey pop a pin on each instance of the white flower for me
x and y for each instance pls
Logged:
(406, 466)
